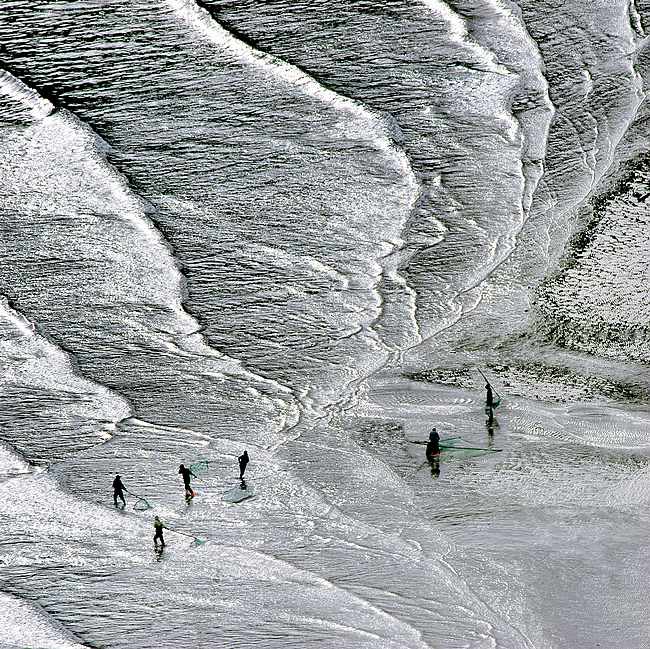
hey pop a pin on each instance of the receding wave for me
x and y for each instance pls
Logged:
(38, 107)
(44, 389)
(26, 624)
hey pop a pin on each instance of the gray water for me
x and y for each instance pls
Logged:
(300, 228)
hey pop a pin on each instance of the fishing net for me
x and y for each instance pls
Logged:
(196, 540)
(495, 403)
(455, 447)
(460, 452)
(141, 504)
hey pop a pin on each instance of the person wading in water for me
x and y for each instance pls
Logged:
(243, 462)
(118, 490)
(433, 445)
(489, 405)
(186, 473)
(159, 527)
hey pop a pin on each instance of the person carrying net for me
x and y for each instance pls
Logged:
(433, 445)
(158, 536)
(186, 473)
(118, 490)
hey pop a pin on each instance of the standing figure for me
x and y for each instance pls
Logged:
(489, 397)
(186, 473)
(243, 461)
(118, 490)
(490, 405)
(433, 445)
(158, 526)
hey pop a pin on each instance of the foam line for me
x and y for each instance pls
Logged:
(382, 129)
(91, 151)
(26, 625)
(42, 363)
(459, 33)
(378, 127)
(13, 88)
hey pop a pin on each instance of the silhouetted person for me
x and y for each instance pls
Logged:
(489, 397)
(243, 462)
(118, 490)
(186, 473)
(433, 445)
(159, 527)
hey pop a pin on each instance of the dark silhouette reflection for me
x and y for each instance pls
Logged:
(490, 420)
(242, 485)
(434, 463)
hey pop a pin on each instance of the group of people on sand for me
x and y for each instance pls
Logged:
(187, 475)
(432, 455)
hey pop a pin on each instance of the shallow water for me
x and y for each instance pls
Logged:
(299, 228)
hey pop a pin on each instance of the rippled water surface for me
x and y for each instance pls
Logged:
(300, 228)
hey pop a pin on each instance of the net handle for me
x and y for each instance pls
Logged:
(472, 448)
(478, 369)
(196, 539)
